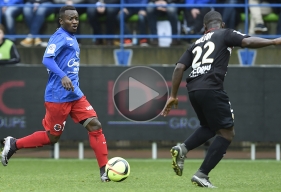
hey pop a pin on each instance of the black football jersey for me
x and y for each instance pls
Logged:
(209, 56)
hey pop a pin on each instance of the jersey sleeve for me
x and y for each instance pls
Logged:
(234, 38)
(55, 46)
(186, 58)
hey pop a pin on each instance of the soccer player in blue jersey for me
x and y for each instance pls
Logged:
(63, 96)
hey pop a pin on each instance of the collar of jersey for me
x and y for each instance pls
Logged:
(212, 29)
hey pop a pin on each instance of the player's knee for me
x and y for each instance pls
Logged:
(93, 125)
(228, 134)
(53, 139)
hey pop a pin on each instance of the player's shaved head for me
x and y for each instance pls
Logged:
(65, 8)
(213, 19)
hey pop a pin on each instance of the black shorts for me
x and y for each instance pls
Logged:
(212, 108)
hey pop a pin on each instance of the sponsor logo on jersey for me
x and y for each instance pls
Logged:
(51, 49)
(200, 70)
(73, 63)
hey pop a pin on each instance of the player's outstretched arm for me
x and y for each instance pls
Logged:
(257, 42)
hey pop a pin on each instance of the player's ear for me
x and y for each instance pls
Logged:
(205, 27)
(60, 21)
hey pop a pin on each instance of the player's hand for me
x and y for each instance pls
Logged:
(170, 103)
(67, 84)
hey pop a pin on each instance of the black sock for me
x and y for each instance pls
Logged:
(215, 153)
(198, 137)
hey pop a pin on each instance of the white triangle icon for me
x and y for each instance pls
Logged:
(139, 94)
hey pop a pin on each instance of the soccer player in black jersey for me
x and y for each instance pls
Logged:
(209, 57)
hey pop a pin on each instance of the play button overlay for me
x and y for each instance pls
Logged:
(140, 93)
(136, 88)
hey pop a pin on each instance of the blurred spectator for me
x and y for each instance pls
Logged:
(161, 9)
(80, 11)
(35, 14)
(231, 15)
(127, 13)
(95, 15)
(256, 20)
(277, 10)
(8, 51)
(10, 13)
(194, 16)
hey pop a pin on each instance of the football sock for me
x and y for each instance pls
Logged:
(98, 144)
(37, 139)
(215, 153)
(198, 137)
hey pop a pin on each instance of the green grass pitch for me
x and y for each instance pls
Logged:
(71, 175)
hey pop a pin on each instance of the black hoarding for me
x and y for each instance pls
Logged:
(254, 93)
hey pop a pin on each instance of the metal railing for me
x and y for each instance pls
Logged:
(121, 36)
(122, 22)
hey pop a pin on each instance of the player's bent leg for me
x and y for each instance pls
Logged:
(178, 155)
(98, 144)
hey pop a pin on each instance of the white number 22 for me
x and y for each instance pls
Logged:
(198, 52)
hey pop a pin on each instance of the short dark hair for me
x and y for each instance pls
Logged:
(211, 17)
(64, 8)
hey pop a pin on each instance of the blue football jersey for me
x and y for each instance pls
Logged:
(64, 47)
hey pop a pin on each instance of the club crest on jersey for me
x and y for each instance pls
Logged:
(57, 127)
(51, 48)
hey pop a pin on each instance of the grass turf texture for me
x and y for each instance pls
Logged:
(71, 175)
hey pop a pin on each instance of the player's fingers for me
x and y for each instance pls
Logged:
(166, 111)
